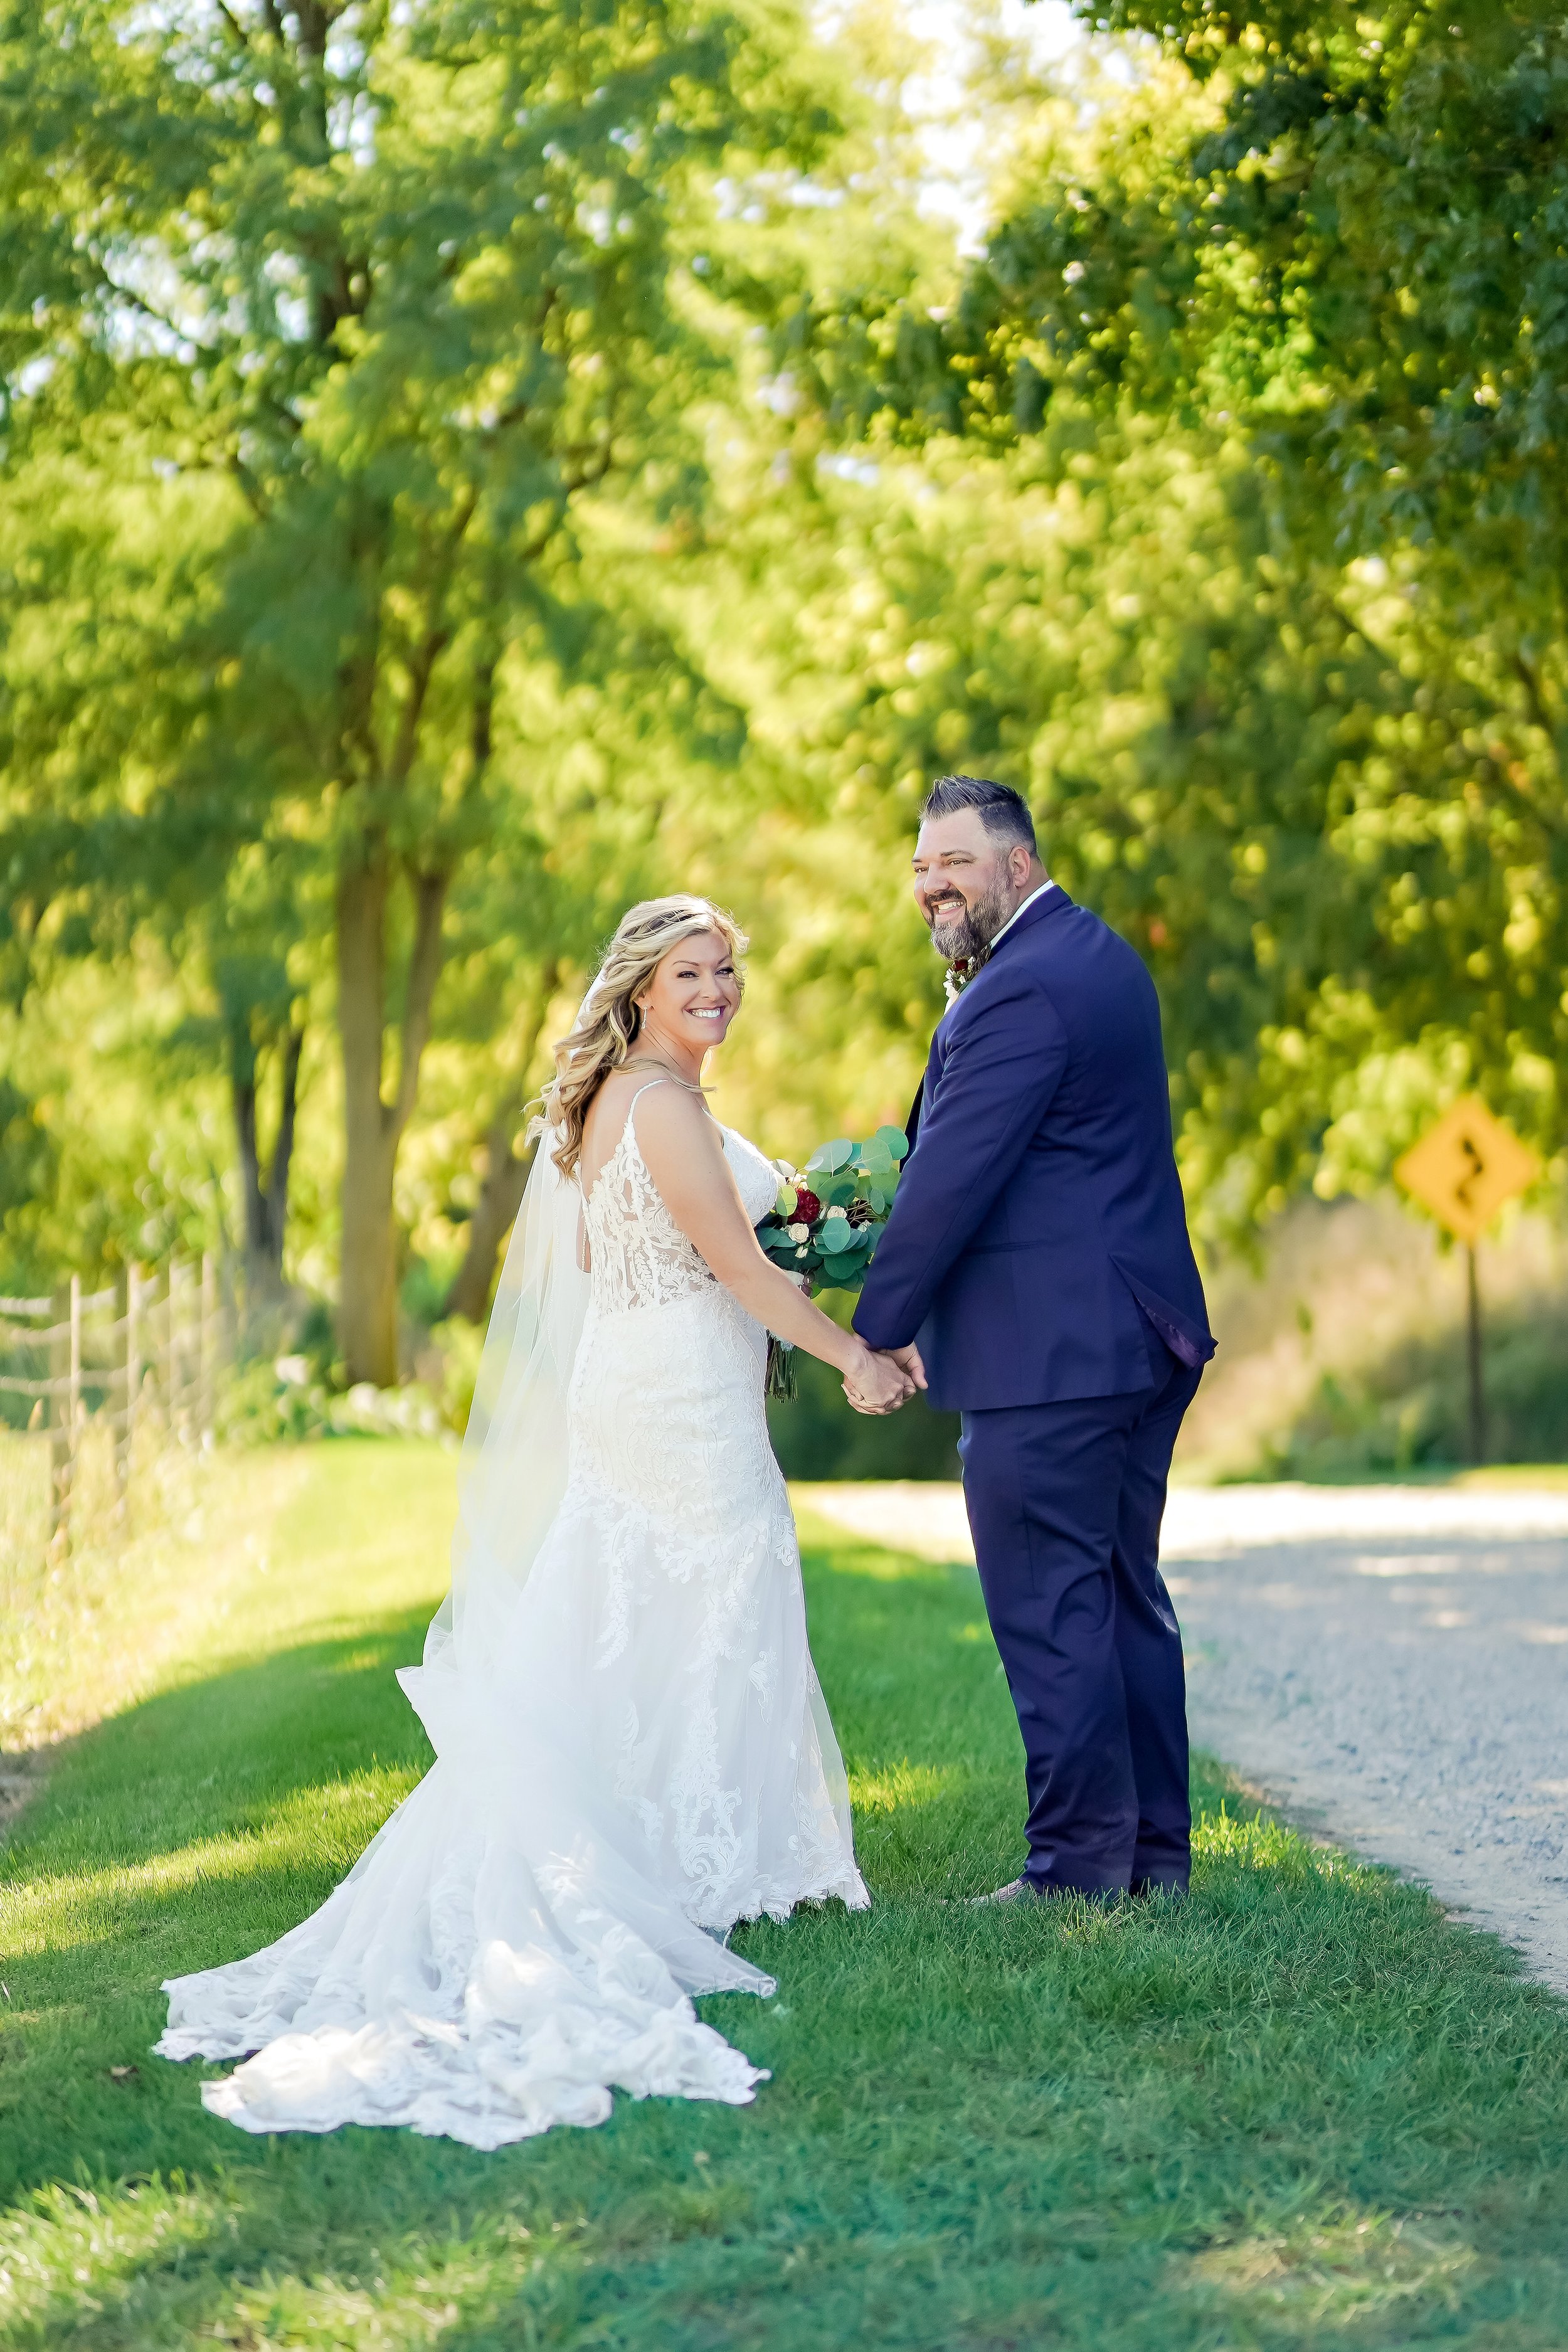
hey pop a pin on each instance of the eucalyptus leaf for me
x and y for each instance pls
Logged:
(830, 1156)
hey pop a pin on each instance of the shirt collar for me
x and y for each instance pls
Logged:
(1047, 884)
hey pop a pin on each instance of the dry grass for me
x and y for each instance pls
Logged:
(1344, 1354)
(92, 1623)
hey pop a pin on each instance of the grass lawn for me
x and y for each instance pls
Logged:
(1302, 2111)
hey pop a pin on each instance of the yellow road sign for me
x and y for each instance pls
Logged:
(1466, 1167)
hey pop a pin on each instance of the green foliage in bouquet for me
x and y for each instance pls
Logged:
(825, 1223)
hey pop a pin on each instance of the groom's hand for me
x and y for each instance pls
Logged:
(908, 1362)
(880, 1385)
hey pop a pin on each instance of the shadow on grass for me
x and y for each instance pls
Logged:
(1300, 2106)
(211, 1757)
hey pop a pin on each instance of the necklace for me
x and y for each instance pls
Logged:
(644, 1062)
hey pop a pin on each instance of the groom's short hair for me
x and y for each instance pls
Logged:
(1003, 813)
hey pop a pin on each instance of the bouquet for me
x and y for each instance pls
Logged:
(823, 1227)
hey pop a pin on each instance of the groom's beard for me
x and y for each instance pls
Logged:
(967, 933)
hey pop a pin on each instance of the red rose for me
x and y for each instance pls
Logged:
(807, 1207)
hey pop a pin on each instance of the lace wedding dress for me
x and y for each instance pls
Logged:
(637, 1757)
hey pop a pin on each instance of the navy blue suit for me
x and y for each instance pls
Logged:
(1037, 1251)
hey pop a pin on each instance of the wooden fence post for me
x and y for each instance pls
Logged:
(76, 1365)
(135, 1294)
(176, 1350)
(125, 1316)
(170, 1366)
(207, 1327)
(62, 1436)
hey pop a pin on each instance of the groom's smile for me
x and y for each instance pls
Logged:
(968, 882)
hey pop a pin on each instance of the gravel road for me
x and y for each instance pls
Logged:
(1389, 1664)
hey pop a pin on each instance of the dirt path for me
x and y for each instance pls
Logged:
(1388, 1664)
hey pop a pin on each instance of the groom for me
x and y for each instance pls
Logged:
(1037, 1252)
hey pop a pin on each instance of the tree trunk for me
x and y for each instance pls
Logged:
(367, 1296)
(500, 1197)
(266, 1198)
(242, 1085)
(506, 1172)
(284, 1155)
(372, 1127)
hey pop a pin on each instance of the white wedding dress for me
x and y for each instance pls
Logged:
(632, 1754)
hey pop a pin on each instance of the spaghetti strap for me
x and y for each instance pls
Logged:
(638, 1096)
(627, 1128)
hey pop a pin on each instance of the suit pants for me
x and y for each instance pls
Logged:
(1065, 1502)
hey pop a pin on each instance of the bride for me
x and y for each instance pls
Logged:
(632, 1749)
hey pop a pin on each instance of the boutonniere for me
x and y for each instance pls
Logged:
(961, 971)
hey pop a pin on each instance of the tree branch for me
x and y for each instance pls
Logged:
(594, 470)
(420, 668)
(250, 489)
(1354, 628)
(424, 972)
(208, 352)
(434, 643)
(283, 1148)
(482, 732)
(1536, 700)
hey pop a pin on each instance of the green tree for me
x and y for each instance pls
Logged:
(1338, 248)
(402, 292)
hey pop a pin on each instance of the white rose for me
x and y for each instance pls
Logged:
(799, 1233)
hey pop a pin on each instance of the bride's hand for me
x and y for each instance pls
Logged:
(877, 1383)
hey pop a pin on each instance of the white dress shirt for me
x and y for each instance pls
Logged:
(1047, 884)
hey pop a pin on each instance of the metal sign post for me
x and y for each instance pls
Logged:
(1463, 1169)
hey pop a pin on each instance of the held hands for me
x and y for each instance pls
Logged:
(880, 1382)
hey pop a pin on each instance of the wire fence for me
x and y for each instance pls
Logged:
(108, 1377)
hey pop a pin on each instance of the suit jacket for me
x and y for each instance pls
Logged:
(1038, 1229)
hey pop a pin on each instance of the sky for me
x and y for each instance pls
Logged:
(956, 187)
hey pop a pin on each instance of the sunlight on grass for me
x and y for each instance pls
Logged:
(107, 1622)
(899, 1786)
(89, 1906)
(1339, 2273)
(852, 1555)
(462, 2284)
(123, 2240)
(233, 1555)
(1299, 2109)
(323, 1826)
(1255, 1841)
(62, 2239)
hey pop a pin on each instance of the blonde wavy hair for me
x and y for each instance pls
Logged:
(608, 1026)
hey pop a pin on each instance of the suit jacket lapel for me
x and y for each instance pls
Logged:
(1055, 899)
